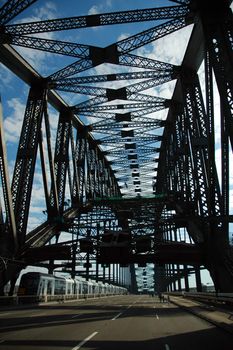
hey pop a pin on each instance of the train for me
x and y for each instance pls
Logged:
(42, 284)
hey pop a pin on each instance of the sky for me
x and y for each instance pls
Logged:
(14, 92)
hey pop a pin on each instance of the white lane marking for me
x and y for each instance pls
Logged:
(118, 315)
(84, 341)
(156, 315)
(75, 316)
(5, 313)
(167, 347)
(38, 314)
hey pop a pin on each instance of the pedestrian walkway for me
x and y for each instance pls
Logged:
(217, 316)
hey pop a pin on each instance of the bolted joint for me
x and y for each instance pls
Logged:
(106, 153)
(83, 131)
(5, 38)
(119, 94)
(167, 103)
(99, 55)
(93, 20)
(93, 144)
(38, 90)
(204, 6)
(187, 75)
(66, 114)
(40, 84)
(126, 117)
(218, 12)
(177, 107)
(175, 72)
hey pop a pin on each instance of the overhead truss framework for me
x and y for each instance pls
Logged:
(123, 141)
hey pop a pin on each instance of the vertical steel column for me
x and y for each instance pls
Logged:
(89, 168)
(26, 158)
(113, 273)
(99, 192)
(117, 274)
(80, 154)
(170, 276)
(218, 30)
(179, 279)
(75, 184)
(186, 279)
(197, 130)
(198, 278)
(73, 267)
(97, 244)
(210, 133)
(173, 272)
(52, 198)
(61, 158)
(109, 273)
(103, 267)
(88, 258)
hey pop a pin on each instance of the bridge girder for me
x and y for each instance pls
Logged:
(185, 171)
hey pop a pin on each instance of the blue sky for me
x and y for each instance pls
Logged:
(14, 92)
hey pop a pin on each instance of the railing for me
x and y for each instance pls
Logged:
(217, 299)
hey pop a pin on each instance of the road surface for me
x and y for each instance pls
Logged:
(136, 322)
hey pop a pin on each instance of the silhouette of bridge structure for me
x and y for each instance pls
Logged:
(129, 170)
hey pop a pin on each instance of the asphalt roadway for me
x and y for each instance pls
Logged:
(136, 322)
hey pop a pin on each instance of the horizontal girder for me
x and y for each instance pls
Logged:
(12, 8)
(139, 15)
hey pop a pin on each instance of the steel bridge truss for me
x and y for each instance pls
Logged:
(128, 169)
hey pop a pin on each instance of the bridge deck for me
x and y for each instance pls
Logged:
(120, 322)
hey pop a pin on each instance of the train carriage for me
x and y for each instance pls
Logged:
(41, 284)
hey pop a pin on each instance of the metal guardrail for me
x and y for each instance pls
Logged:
(219, 299)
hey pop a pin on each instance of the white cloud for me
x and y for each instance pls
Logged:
(33, 222)
(34, 57)
(123, 36)
(100, 8)
(37, 204)
(47, 11)
(164, 90)
(5, 75)
(168, 49)
(93, 10)
(13, 123)
(38, 58)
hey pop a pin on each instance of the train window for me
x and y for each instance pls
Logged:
(49, 287)
(40, 289)
(85, 288)
(69, 288)
(60, 287)
(28, 285)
